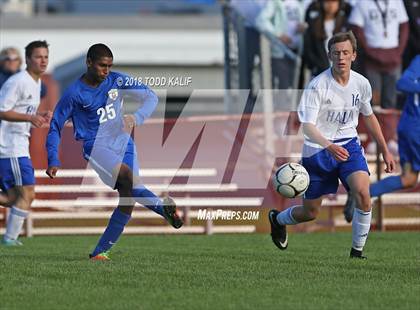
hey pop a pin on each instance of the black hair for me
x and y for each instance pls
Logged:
(33, 45)
(97, 51)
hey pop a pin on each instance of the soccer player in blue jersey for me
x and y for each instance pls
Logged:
(408, 140)
(329, 112)
(94, 104)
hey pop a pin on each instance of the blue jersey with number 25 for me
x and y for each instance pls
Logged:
(97, 112)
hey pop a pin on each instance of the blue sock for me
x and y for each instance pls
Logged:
(386, 185)
(112, 232)
(148, 199)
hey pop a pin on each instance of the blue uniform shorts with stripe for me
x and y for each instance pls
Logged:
(324, 171)
(16, 171)
(104, 156)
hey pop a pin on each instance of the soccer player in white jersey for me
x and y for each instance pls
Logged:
(19, 101)
(329, 112)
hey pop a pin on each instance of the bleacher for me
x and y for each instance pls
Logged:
(85, 197)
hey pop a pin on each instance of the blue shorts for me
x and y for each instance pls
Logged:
(16, 172)
(409, 144)
(104, 157)
(324, 171)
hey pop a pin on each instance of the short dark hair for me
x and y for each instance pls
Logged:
(33, 45)
(342, 37)
(97, 51)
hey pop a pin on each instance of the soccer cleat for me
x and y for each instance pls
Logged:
(169, 212)
(356, 254)
(278, 232)
(11, 242)
(104, 256)
(349, 208)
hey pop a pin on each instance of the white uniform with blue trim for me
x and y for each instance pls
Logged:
(20, 93)
(334, 110)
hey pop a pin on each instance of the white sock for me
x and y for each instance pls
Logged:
(285, 217)
(15, 223)
(360, 227)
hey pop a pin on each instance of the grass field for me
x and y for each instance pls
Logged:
(213, 272)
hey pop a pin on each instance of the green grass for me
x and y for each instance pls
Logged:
(213, 272)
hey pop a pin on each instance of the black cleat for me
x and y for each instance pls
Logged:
(356, 254)
(278, 232)
(349, 208)
(169, 212)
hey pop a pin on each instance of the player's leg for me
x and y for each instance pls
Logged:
(21, 200)
(409, 151)
(292, 216)
(323, 174)
(4, 200)
(407, 179)
(18, 179)
(119, 219)
(142, 195)
(358, 182)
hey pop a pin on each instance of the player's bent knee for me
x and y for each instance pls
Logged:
(365, 200)
(125, 178)
(409, 180)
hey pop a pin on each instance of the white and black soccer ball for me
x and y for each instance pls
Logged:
(291, 180)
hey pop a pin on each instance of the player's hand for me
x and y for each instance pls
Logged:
(339, 152)
(52, 171)
(37, 120)
(47, 115)
(129, 122)
(389, 162)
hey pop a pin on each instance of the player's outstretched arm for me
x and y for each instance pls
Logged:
(13, 116)
(145, 96)
(62, 113)
(374, 128)
(339, 152)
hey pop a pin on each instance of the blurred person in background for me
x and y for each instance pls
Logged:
(413, 46)
(408, 141)
(325, 18)
(249, 10)
(381, 27)
(283, 21)
(10, 63)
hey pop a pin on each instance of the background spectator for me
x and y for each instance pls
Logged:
(249, 10)
(413, 45)
(324, 18)
(381, 27)
(283, 21)
(10, 62)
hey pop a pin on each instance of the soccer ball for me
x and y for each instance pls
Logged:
(291, 180)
